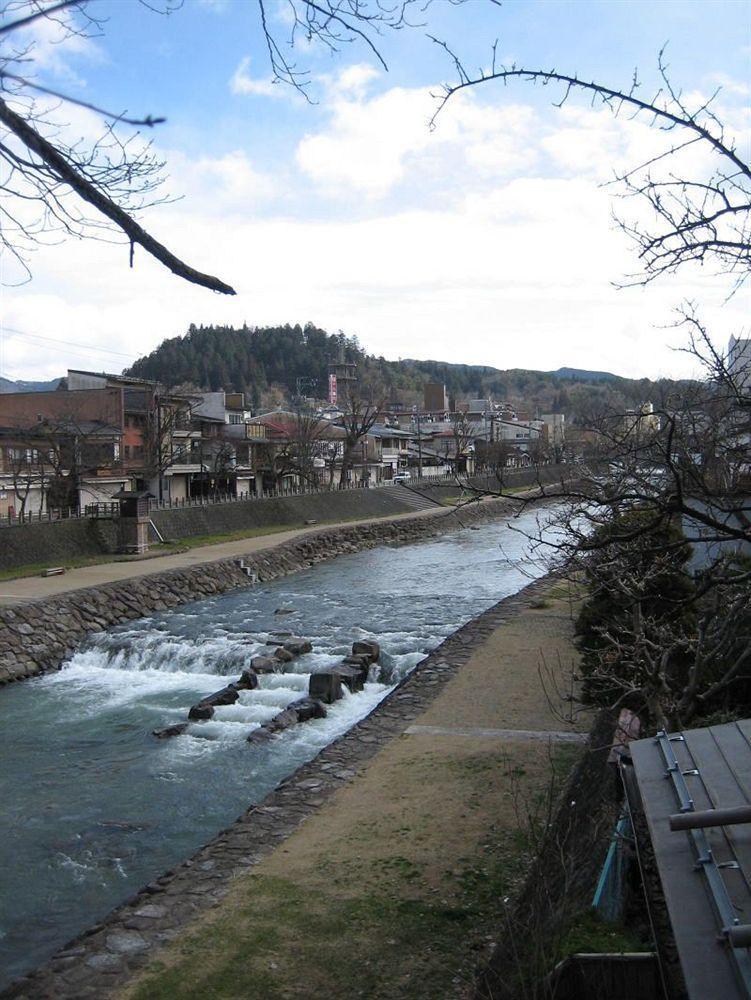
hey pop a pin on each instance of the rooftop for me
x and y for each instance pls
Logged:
(705, 870)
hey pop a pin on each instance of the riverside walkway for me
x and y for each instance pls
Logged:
(35, 588)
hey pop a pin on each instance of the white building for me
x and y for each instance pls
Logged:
(739, 362)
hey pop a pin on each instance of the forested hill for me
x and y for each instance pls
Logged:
(255, 360)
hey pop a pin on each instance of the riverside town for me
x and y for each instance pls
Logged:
(375, 500)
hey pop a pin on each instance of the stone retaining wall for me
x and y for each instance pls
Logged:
(290, 511)
(101, 961)
(38, 636)
(51, 542)
(54, 541)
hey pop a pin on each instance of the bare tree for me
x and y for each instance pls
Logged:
(335, 24)
(165, 416)
(21, 462)
(52, 183)
(704, 218)
(463, 436)
(57, 186)
(309, 442)
(362, 405)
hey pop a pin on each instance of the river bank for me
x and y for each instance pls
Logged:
(413, 809)
(37, 635)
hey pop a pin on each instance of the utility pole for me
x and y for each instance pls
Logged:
(419, 444)
(159, 453)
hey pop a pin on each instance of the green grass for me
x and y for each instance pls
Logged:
(288, 942)
(35, 569)
(589, 933)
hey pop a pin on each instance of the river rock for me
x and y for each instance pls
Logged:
(204, 709)
(282, 721)
(283, 655)
(259, 735)
(176, 730)
(351, 676)
(264, 665)
(308, 708)
(225, 696)
(360, 663)
(297, 646)
(367, 646)
(200, 712)
(325, 686)
(248, 680)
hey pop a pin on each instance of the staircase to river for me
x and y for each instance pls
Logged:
(412, 497)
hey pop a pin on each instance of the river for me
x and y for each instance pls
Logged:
(94, 806)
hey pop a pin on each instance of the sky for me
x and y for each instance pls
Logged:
(488, 239)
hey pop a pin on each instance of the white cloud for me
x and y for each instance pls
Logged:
(228, 184)
(727, 83)
(486, 241)
(352, 80)
(242, 82)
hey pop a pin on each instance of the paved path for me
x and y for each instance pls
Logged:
(35, 588)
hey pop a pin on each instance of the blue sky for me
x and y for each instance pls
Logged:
(488, 240)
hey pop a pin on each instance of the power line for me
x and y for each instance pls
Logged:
(67, 343)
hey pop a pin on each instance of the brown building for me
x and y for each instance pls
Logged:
(435, 398)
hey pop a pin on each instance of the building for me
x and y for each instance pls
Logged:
(161, 449)
(283, 449)
(739, 362)
(60, 450)
(556, 432)
(435, 398)
(642, 421)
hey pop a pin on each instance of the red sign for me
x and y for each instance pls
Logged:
(332, 389)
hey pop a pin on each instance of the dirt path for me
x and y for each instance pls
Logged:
(394, 888)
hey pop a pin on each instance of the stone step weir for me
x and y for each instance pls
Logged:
(324, 688)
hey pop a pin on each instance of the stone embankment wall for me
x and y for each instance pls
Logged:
(58, 541)
(334, 505)
(513, 479)
(37, 636)
(55, 541)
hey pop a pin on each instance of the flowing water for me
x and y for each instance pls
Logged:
(93, 806)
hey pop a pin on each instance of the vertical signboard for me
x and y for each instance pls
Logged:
(332, 389)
